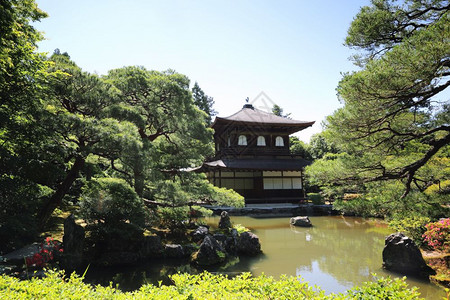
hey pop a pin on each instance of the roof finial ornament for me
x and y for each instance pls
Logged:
(246, 100)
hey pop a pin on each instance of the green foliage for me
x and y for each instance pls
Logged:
(203, 102)
(226, 197)
(316, 198)
(384, 288)
(393, 126)
(19, 63)
(320, 144)
(413, 227)
(278, 111)
(221, 254)
(173, 217)
(20, 201)
(328, 172)
(299, 148)
(240, 229)
(111, 201)
(25, 163)
(384, 199)
(202, 286)
(437, 235)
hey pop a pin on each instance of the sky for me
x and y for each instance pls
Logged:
(288, 53)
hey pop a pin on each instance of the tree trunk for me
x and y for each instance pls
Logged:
(61, 191)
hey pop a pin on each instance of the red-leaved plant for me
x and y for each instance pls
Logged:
(46, 253)
(437, 235)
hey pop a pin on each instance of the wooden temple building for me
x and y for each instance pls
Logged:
(252, 156)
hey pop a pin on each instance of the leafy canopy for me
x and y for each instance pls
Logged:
(395, 116)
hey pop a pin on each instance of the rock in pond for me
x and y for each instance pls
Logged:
(224, 222)
(301, 221)
(173, 251)
(200, 233)
(151, 247)
(400, 254)
(73, 243)
(210, 252)
(248, 244)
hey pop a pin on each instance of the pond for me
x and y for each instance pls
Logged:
(336, 254)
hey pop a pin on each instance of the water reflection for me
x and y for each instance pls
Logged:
(335, 254)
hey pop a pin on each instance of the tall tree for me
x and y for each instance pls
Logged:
(160, 105)
(278, 111)
(299, 147)
(21, 141)
(174, 135)
(395, 114)
(76, 115)
(320, 144)
(203, 102)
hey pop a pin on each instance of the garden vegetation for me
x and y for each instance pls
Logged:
(203, 286)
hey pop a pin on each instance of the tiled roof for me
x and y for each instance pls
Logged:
(250, 115)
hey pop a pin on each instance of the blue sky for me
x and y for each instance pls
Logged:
(292, 51)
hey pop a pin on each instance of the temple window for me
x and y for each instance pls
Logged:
(242, 141)
(261, 141)
(279, 141)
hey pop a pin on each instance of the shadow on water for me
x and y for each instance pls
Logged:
(336, 254)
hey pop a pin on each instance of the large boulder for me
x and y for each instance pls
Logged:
(73, 243)
(173, 251)
(301, 221)
(200, 233)
(400, 254)
(224, 222)
(210, 252)
(151, 247)
(248, 244)
(231, 242)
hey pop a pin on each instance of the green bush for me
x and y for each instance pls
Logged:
(240, 229)
(20, 201)
(111, 201)
(173, 217)
(202, 286)
(316, 198)
(412, 227)
(384, 288)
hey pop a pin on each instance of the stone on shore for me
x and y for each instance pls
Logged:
(73, 243)
(401, 255)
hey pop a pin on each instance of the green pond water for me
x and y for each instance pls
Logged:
(336, 254)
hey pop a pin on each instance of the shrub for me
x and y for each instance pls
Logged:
(173, 217)
(110, 201)
(437, 235)
(413, 227)
(384, 288)
(202, 286)
(114, 213)
(316, 198)
(20, 202)
(240, 229)
(48, 250)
